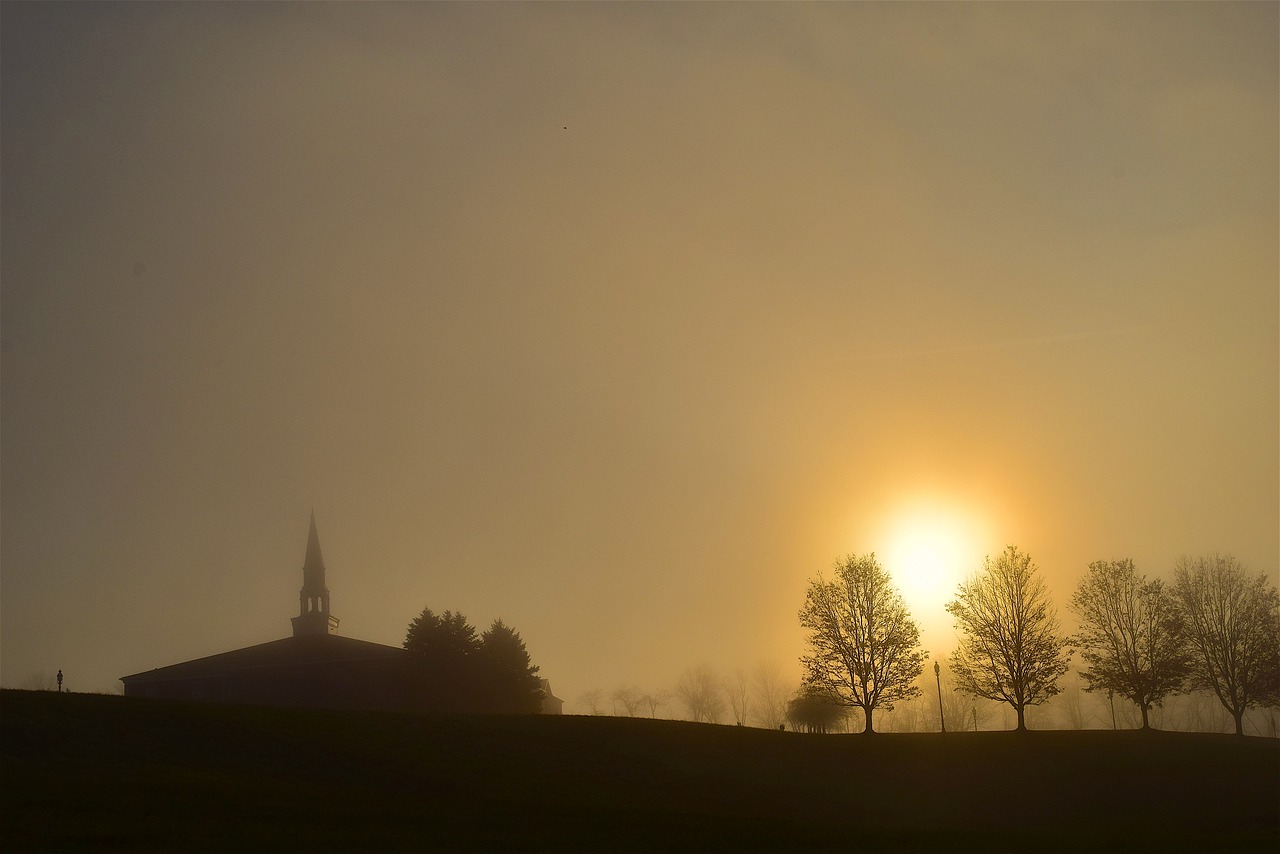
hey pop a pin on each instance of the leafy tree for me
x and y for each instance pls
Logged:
(1011, 651)
(815, 710)
(700, 691)
(1233, 626)
(864, 648)
(1131, 635)
(510, 680)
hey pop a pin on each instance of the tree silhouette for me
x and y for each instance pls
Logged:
(864, 648)
(736, 688)
(814, 710)
(701, 692)
(446, 655)
(590, 701)
(456, 671)
(1233, 630)
(1011, 650)
(655, 700)
(770, 692)
(630, 699)
(1131, 635)
(510, 679)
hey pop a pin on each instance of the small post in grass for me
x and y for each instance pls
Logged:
(59, 681)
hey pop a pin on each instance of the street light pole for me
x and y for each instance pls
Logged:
(937, 674)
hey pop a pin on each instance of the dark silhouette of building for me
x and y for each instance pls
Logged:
(551, 704)
(315, 668)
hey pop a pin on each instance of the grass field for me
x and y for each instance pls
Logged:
(100, 773)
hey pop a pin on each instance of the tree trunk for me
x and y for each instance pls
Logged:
(1145, 725)
(1239, 716)
(1022, 718)
(867, 711)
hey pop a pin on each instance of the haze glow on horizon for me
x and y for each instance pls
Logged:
(620, 321)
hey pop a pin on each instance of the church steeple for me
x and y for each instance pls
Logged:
(313, 600)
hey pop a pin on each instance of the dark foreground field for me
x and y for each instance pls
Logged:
(95, 773)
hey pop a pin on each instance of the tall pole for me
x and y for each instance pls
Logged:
(937, 674)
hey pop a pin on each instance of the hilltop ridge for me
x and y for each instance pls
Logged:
(104, 772)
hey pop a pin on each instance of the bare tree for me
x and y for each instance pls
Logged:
(701, 692)
(629, 699)
(864, 648)
(656, 700)
(736, 687)
(591, 700)
(771, 693)
(1011, 651)
(1233, 622)
(1072, 704)
(1131, 635)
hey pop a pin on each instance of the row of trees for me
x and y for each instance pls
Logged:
(758, 698)
(1215, 629)
(456, 670)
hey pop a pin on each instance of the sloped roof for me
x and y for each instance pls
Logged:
(290, 651)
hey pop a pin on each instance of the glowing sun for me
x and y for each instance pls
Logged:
(928, 553)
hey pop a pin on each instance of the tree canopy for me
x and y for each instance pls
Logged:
(1233, 629)
(457, 671)
(864, 648)
(510, 679)
(1010, 650)
(1131, 635)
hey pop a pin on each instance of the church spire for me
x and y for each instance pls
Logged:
(313, 600)
(313, 563)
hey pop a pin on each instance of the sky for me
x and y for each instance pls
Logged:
(620, 322)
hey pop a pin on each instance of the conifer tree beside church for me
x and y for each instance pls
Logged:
(454, 670)
(446, 661)
(510, 677)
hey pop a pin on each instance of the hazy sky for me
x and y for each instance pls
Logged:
(620, 321)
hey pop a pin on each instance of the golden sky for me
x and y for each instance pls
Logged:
(620, 321)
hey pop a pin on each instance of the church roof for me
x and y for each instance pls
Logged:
(286, 652)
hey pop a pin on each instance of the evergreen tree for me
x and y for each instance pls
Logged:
(510, 679)
(446, 661)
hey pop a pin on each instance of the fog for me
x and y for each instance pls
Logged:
(619, 322)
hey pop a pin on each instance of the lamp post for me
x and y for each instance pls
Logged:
(937, 674)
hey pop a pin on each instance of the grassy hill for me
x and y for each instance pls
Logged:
(86, 772)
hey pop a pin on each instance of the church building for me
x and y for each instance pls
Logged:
(313, 668)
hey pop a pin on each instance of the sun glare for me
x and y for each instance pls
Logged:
(929, 551)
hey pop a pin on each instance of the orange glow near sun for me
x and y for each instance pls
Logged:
(929, 549)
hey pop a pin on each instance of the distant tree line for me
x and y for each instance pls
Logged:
(455, 670)
(1216, 629)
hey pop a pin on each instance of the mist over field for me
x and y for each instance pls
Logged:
(621, 323)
